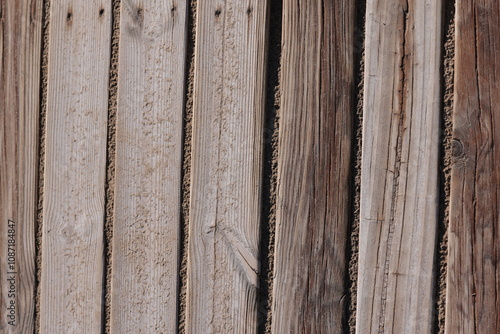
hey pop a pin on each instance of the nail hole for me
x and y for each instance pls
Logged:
(218, 12)
(69, 17)
(174, 9)
(101, 12)
(249, 10)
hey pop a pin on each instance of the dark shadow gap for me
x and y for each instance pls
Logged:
(270, 167)
(44, 54)
(353, 241)
(186, 167)
(110, 169)
(447, 70)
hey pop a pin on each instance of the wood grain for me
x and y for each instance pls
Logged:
(20, 47)
(473, 280)
(74, 179)
(226, 166)
(399, 175)
(314, 160)
(148, 166)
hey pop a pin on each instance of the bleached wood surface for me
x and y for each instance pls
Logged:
(473, 280)
(314, 161)
(226, 166)
(399, 194)
(148, 167)
(20, 45)
(75, 166)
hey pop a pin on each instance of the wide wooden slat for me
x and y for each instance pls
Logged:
(473, 280)
(399, 175)
(20, 45)
(148, 166)
(75, 165)
(226, 166)
(314, 160)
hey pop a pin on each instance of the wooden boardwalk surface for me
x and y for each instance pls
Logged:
(179, 148)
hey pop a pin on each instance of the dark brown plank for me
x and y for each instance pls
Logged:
(20, 45)
(473, 296)
(314, 166)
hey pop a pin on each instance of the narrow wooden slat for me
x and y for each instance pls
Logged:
(314, 160)
(226, 166)
(399, 195)
(73, 213)
(20, 45)
(473, 280)
(148, 166)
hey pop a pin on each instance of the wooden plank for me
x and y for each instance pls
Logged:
(20, 47)
(75, 166)
(148, 166)
(314, 160)
(226, 166)
(399, 173)
(473, 280)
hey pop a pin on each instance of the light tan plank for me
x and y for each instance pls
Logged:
(20, 45)
(315, 145)
(73, 213)
(148, 166)
(226, 166)
(399, 195)
(473, 280)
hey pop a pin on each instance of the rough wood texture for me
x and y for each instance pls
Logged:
(148, 167)
(226, 167)
(73, 213)
(315, 145)
(473, 281)
(20, 44)
(399, 194)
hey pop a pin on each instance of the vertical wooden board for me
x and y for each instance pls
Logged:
(226, 166)
(75, 165)
(473, 280)
(148, 166)
(399, 173)
(314, 160)
(20, 45)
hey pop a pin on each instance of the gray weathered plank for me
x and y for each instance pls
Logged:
(314, 160)
(20, 45)
(473, 280)
(226, 166)
(75, 165)
(399, 175)
(148, 166)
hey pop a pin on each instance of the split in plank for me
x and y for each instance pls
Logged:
(148, 166)
(314, 160)
(399, 172)
(473, 280)
(20, 47)
(226, 166)
(75, 166)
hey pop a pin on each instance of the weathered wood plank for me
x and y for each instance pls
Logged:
(73, 213)
(473, 280)
(399, 175)
(148, 166)
(226, 166)
(20, 45)
(314, 159)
